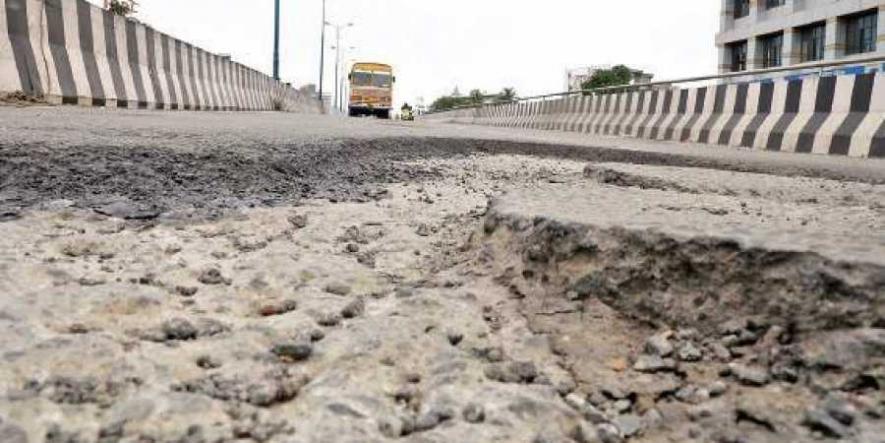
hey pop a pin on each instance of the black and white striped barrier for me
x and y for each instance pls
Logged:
(836, 115)
(70, 51)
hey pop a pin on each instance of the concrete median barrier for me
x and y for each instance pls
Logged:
(835, 115)
(72, 52)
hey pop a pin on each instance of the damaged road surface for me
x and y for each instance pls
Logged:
(176, 278)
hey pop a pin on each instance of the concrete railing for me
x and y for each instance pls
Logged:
(70, 51)
(833, 114)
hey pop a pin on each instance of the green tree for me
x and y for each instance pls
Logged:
(477, 97)
(617, 76)
(507, 95)
(446, 103)
(122, 7)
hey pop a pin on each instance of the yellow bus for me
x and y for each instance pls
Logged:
(371, 90)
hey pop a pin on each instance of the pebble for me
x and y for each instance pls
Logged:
(597, 399)
(653, 363)
(717, 388)
(212, 276)
(186, 291)
(609, 433)
(628, 424)
(317, 335)
(584, 433)
(687, 334)
(278, 308)
(693, 394)
(730, 341)
(659, 345)
(179, 329)
(821, 421)
(329, 319)
(615, 392)
(840, 409)
(720, 352)
(91, 282)
(590, 412)
(622, 406)
(298, 221)
(413, 378)
(566, 386)
(785, 372)
(652, 419)
(78, 328)
(208, 327)
(432, 419)
(208, 362)
(455, 338)
(474, 413)
(576, 401)
(733, 327)
(393, 427)
(688, 352)
(338, 289)
(404, 292)
(514, 372)
(352, 248)
(354, 309)
(367, 260)
(293, 351)
(749, 376)
(423, 230)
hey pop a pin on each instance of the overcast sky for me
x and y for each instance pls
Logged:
(435, 45)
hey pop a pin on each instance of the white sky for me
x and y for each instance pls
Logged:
(435, 45)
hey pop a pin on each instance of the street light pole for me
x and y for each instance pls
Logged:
(342, 101)
(337, 47)
(322, 52)
(337, 63)
(349, 61)
(276, 41)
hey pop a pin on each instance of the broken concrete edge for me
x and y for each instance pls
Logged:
(697, 282)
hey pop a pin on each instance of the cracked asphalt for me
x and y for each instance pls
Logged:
(267, 277)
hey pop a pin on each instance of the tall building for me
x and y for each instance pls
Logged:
(759, 34)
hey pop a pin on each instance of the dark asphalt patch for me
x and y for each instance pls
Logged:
(143, 182)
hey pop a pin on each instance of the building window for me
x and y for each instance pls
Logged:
(772, 48)
(771, 4)
(812, 40)
(738, 52)
(741, 8)
(860, 33)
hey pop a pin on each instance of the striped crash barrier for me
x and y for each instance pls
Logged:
(70, 51)
(836, 115)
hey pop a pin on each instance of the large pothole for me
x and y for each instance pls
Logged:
(734, 309)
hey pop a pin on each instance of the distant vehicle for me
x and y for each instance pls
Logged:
(371, 90)
(406, 113)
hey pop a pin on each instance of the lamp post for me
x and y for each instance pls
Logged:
(340, 94)
(337, 49)
(343, 85)
(322, 52)
(276, 41)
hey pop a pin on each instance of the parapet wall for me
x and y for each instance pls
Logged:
(70, 51)
(836, 115)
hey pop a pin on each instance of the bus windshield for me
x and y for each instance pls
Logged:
(362, 79)
(381, 81)
(377, 80)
